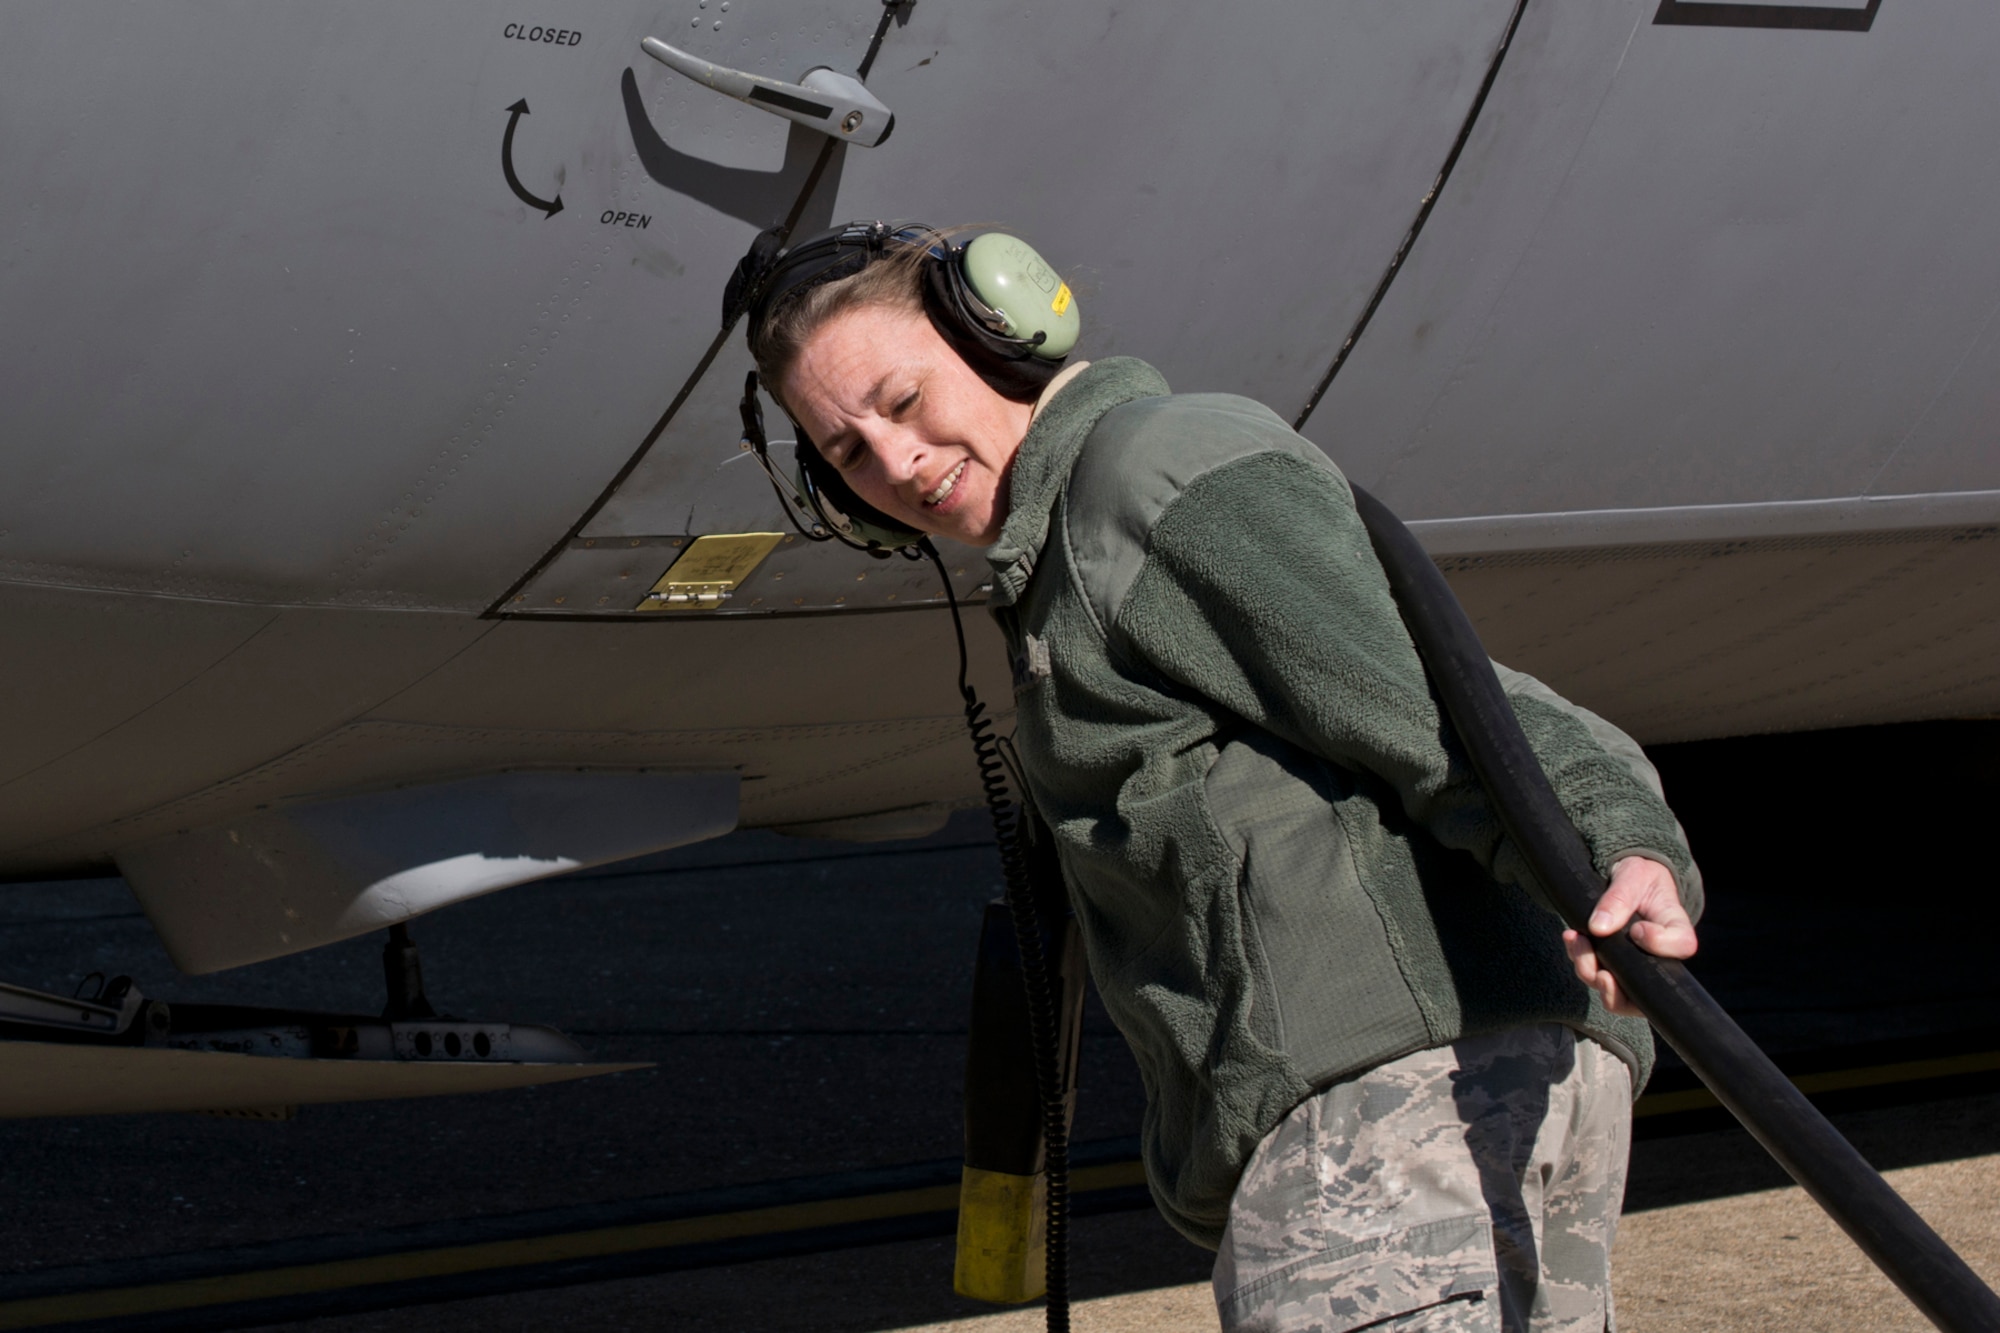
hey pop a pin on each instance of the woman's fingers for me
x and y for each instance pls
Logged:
(1666, 940)
(1588, 970)
(1644, 889)
(1641, 893)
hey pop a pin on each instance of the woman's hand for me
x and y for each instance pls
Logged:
(1642, 892)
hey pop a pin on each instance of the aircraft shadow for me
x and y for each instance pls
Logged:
(760, 198)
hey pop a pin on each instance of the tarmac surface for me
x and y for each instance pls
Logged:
(1765, 1260)
(804, 1004)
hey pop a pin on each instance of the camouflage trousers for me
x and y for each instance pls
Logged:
(1470, 1189)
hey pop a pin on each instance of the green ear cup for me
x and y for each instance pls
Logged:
(1008, 277)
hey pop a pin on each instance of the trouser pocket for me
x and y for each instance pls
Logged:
(1434, 1277)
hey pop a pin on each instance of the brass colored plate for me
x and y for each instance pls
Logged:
(709, 570)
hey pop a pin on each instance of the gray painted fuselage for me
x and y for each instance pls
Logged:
(313, 418)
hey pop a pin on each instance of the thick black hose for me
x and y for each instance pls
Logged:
(1043, 1027)
(1740, 1075)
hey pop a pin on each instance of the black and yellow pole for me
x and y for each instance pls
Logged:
(1027, 1017)
(1003, 1194)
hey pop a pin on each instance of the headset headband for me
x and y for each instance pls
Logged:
(769, 273)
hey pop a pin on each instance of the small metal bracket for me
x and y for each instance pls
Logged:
(110, 1014)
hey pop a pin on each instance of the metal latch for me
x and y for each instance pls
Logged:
(108, 1013)
(709, 571)
(835, 104)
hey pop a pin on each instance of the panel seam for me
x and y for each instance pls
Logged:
(1423, 215)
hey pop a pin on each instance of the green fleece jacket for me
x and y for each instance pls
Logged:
(1285, 870)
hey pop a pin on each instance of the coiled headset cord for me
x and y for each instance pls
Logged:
(1008, 832)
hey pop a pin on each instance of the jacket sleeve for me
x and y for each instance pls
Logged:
(1261, 592)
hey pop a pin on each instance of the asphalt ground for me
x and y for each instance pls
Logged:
(804, 1004)
(1764, 1260)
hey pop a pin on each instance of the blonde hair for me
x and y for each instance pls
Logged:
(895, 282)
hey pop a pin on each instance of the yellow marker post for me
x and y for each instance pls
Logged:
(1002, 1236)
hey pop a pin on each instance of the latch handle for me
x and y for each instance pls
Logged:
(838, 105)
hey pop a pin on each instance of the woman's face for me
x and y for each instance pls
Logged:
(909, 425)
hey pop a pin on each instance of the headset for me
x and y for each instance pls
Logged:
(994, 301)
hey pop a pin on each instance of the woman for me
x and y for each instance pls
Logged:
(1381, 1080)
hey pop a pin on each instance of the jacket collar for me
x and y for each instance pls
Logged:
(1048, 452)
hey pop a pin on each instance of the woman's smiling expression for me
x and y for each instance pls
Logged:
(911, 428)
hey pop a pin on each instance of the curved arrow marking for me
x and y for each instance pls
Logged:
(518, 110)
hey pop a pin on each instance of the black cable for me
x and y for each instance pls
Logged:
(1008, 830)
(1742, 1077)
